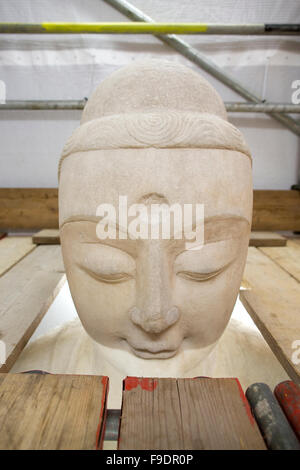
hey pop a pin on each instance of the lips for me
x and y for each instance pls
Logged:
(153, 351)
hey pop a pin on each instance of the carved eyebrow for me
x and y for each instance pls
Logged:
(226, 218)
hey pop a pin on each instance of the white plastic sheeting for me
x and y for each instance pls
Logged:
(71, 66)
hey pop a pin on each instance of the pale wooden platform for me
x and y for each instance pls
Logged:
(201, 413)
(12, 250)
(51, 412)
(272, 299)
(26, 292)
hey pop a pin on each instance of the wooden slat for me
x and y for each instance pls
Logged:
(28, 208)
(37, 208)
(276, 210)
(46, 237)
(199, 413)
(287, 257)
(12, 250)
(26, 292)
(273, 301)
(51, 411)
(266, 239)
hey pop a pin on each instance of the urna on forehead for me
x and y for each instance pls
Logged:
(133, 115)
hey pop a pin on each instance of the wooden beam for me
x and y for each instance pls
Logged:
(52, 412)
(37, 208)
(26, 292)
(200, 413)
(273, 302)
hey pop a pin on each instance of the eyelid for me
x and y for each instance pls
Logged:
(113, 278)
(201, 277)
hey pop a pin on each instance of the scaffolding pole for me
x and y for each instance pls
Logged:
(38, 105)
(202, 61)
(269, 29)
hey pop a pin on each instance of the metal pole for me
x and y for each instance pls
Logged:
(79, 104)
(38, 105)
(152, 28)
(202, 61)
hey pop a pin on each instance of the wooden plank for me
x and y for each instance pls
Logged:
(198, 413)
(47, 237)
(26, 291)
(276, 210)
(288, 257)
(37, 208)
(12, 250)
(52, 412)
(28, 208)
(273, 302)
(266, 239)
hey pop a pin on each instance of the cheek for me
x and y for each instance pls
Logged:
(102, 307)
(206, 306)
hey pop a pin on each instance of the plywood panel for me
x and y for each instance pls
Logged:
(51, 411)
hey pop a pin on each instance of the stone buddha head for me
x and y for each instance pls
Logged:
(154, 142)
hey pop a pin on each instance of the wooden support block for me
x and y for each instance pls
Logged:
(273, 302)
(270, 418)
(47, 237)
(28, 208)
(2, 235)
(198, 413)
(12, 250)
(51, 412)
(287, 258)
(276, 210)
(266, 239)
(26, 292)
(37, 208)
(288, 396)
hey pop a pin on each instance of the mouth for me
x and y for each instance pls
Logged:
(153, 352)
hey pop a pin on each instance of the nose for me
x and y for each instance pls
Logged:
(153, 321)
(153, 311)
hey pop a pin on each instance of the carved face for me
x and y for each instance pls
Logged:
(155, 298)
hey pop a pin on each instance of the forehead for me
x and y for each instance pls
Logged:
(219, 179)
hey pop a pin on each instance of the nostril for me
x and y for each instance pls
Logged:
(172, 316)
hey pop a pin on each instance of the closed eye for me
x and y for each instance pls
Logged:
(200, 277)
(109, 278)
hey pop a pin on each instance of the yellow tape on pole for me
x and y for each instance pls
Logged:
(125, 28)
